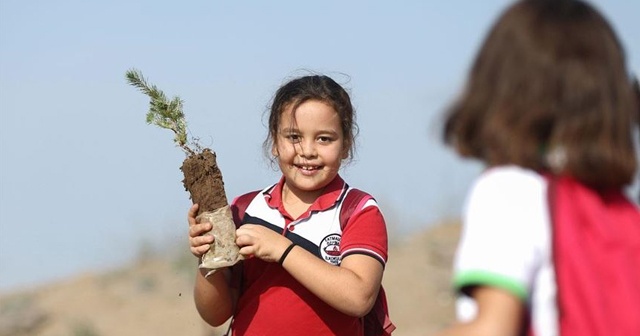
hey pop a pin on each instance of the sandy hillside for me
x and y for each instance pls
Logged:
(153, 297)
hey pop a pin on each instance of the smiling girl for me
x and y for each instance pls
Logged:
(305, 272)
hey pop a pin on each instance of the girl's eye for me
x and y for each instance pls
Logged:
(324, 139)
(293, 138)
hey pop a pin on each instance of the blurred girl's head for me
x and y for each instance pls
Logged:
(549, 90)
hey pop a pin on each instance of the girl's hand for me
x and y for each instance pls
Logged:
(261, 242)
(198, 242)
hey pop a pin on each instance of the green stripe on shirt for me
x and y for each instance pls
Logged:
(484, 278)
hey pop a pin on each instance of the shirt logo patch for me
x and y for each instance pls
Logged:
(330, 249)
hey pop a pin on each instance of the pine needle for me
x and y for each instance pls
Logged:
(163, 112)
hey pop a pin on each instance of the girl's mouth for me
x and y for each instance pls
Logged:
(308, 169)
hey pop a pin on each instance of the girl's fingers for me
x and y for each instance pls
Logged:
(200, 245)
(198, 251)
(246, 251)
(191, 215)
(242, 240)
(201, 240)
(245, 229)
(199, 229)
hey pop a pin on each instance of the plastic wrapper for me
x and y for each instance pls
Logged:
(223, 252)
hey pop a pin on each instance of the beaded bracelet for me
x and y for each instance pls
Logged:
(285, 253)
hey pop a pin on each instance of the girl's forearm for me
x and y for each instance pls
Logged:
(351, 288)
(213, 297)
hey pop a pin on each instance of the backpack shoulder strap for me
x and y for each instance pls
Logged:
(238, 209)
(595, 243)
(240, 204)
(377, 321)
(353, 202)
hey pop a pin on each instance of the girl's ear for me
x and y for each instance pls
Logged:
(345, 153)
(274, 150)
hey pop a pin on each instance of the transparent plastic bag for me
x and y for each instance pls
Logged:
(223, 252)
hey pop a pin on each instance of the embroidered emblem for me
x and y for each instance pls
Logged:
(330, 248)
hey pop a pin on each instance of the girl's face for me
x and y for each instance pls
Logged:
(309, 147)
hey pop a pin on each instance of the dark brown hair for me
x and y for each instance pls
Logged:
(550, 76)
(314, 87)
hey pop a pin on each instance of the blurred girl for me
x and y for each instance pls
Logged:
(550, 243)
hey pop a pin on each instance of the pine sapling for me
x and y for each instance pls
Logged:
(202, 177)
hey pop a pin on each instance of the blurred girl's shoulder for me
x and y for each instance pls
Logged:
(510, 181)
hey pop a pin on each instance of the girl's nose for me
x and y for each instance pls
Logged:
(307, 149)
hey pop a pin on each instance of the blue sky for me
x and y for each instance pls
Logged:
(84, 180)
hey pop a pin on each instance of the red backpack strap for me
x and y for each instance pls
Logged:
(353, 202)
(238, 209)
(596, 255)
(382, 314)
(240, 204)
(377, 321)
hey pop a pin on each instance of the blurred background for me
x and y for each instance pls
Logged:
(93, 235)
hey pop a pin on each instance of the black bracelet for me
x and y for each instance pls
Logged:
(285, 253)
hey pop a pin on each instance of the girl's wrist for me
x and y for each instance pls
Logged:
(286, 253)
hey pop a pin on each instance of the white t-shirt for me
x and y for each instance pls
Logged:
(506, 243)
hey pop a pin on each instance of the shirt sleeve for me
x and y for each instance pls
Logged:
(366, 234)
(502, 223)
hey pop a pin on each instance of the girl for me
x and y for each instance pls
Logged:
(303, 274)
(550, 243)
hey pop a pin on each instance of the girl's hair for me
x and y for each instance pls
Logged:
(313, 87)
(549, 80)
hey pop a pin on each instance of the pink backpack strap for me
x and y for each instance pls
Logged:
(238, 209)
(377, 322)
(596, 255)
(240, 204)
(354, 201)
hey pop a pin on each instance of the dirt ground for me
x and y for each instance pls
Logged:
(154, 296)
